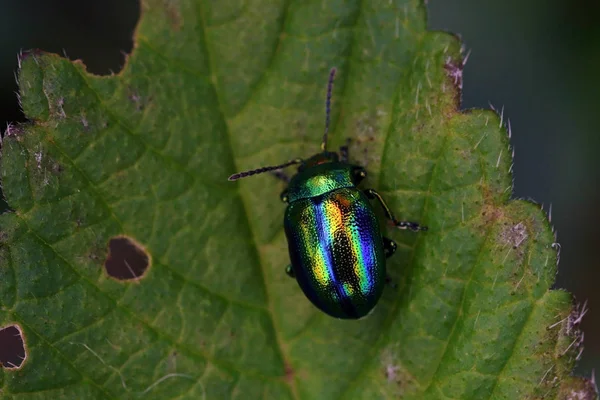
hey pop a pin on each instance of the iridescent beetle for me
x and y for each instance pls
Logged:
(335, 244)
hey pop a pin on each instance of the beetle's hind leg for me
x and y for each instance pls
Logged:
(289, 271)
(413, 226)
(389, 247)
(390, 281)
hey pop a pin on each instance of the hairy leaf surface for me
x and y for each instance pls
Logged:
(137, 163)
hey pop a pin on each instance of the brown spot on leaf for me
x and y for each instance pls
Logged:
(84, 122)
(14, 130)
(137, 100)
(59, 109)
(365, 133)
(391, 372)
(573, 330)
(57, 168)
(514, 235)
(126, 259)
(173, 13)
(454, 70)
(289, 373)
(576, 388)
(23, 55)
(12, 347)
(491, 210)
(396, 376)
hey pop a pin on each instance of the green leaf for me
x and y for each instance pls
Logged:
(142, 157)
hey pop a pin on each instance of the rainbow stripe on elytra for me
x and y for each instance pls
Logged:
(336, 229)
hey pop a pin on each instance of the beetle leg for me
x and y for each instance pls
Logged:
(281, 176)
(389, 247)
(413, 226)
(389, 281)
(344, 151)
(290, 271)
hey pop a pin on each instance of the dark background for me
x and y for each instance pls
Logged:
(540, 59)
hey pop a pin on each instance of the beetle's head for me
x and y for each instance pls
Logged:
(324, 157)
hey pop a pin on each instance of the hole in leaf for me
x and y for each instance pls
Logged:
(126, 259)
(12, 347)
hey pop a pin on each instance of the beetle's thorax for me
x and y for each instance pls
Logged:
(318, 175)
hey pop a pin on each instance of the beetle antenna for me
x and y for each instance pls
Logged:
(328, 107)
(244, 174)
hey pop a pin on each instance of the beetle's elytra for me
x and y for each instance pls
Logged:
(336, 248)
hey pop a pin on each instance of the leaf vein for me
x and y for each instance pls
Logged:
(132, 314)
(66, 360)
(262, 78)
(454, 333)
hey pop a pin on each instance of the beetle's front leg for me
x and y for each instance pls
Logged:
(284, 196)
(289, 271)
(413, 226)
(282, 176)
(390, 281)
(389, 247)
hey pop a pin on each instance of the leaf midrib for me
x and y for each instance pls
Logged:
(211, 67)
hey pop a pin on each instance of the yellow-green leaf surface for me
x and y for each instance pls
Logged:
(215, 87)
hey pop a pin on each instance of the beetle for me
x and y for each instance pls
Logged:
(336, 248)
